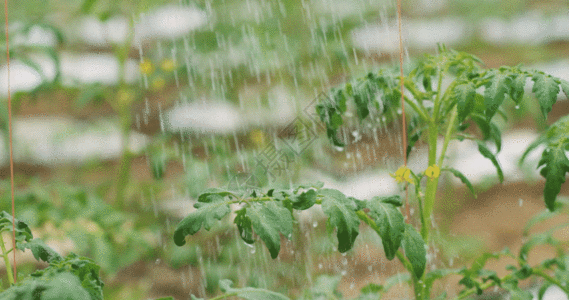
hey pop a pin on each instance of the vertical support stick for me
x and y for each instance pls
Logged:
(403, 107)
(10, 138)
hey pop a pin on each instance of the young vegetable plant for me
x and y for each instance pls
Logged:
(70, 277)
(474, 97)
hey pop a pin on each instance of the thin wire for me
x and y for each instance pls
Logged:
(403, 107)
(10, 138)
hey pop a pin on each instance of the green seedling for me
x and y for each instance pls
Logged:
(473, 98)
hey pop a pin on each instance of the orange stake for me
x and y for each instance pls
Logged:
(10, 138)
(403, 107)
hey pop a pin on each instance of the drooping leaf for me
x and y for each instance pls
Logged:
(209, 208)
(496, 135)
(464, 93)
(23, 232)
(268, 220)
(249, 293)
(41, 251)
(488, 154)
(415, 251)
(556, 165)
(495, 93)
(305, 200)
(545, 89)
(341, 214)
(244, 226)
(517, 84)
(390, 222)
(462, 178)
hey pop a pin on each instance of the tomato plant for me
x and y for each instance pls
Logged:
(473, 98)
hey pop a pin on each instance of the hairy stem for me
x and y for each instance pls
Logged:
(7, 261)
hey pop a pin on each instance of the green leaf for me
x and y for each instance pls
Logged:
(414, 247)
(209, 208)
(488, 154)
(249, 293)
(556, 165)
(495, 93)
(305, 200)
(244, 226)
(23, 232)
(462, 178)
(341, 214)
(41, 251)
(517, 84)
(545, 89)
(465, 93)
(390, 222)
(540, 140)
(268, 220)
(564, 87)
(496, 135)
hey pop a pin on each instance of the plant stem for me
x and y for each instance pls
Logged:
(545, 276)
(431, 183)
(7, 261)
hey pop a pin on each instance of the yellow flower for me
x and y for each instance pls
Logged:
(403, 174)
(146, 67)
(433, 171)
(168, 65)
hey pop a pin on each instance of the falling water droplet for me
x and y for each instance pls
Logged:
(320, 266)
(315, 224)
(369, 268)
(343, 272)
(517, 107)
(520, 202)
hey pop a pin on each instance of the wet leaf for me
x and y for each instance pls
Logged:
(545, 89)
(341, 214)
(391, 225)
(556, 165)
(495, 92)
(414, 247)
(211, 207)
(464, 93)
(268, 220)
(488, 154)
(249, 293)
(462, 178)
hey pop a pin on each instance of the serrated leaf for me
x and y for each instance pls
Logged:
(488, 154)
(268, 220)
(414, 247)
(390, 222)
(211, 207)
(556, 165)
(545, 89)
(244, 226)
(495, 93)
(341, 214)
(23, 232)
(250, 293)
(516, 89)
(41, 251)
(464, 93)
(462, 178)
(305, 200)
